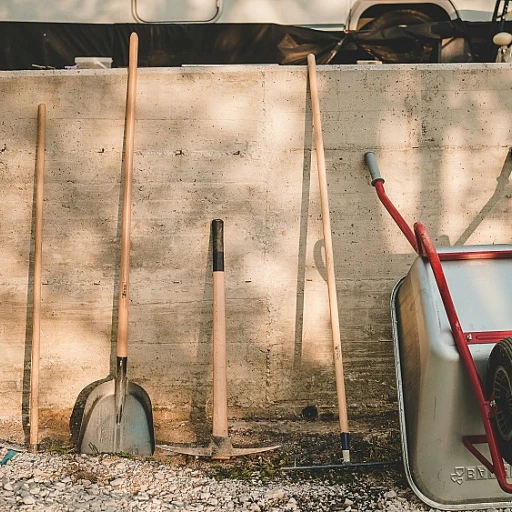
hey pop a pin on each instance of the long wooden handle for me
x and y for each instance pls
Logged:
(220, 384)
(124, 285)
(326, 224)
(38, 268)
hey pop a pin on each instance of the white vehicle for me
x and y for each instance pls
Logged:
(319, 14)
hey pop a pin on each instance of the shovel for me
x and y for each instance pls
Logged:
(117, 416)
(220, 446)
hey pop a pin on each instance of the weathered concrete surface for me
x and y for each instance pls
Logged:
(235, 143)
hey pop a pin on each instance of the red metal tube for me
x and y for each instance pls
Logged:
(395, 214)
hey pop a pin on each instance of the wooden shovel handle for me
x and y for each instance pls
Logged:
(38, 269)
(329, 257)
(220, 379)
(124, 299)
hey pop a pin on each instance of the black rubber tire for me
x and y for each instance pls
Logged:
(499, 387)
(403, 51)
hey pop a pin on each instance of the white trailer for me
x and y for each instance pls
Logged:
(319, 14)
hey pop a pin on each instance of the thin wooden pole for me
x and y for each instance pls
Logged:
(220, 379)
(220, 387)
(124, 285)
(38, 264)
(331, 277)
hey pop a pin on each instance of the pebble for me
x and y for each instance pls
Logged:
(275, 494)
(29, 500)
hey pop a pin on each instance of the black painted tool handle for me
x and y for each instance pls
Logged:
(371, 162)
(218, 245)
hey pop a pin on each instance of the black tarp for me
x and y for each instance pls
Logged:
(29, 45)
(55, 45)
(174, 45)
(25, 45)
(424, 42)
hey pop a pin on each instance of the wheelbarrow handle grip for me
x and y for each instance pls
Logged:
(371, 162)
(218, 245)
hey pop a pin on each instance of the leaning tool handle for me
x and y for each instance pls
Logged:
(371, 161)
(38, 269)
(329, 257)
(220, 385)
(378, 184)
(124, 284)
(122, 325)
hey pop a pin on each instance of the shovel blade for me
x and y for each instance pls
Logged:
(101, 432)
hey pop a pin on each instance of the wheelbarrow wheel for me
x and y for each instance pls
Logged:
(499, 380)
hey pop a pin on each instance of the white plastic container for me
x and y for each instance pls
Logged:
(93, 62)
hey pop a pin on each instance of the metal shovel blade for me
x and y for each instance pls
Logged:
(102, 432)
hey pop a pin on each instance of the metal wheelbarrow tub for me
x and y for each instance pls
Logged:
(437, 405)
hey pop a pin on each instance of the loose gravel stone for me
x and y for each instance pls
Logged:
(29, 500)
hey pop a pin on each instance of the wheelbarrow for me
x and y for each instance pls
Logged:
(452, 338)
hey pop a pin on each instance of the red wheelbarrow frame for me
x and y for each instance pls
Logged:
(422, 243)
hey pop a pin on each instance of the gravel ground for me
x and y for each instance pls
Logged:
(73, 482)
(59, 479)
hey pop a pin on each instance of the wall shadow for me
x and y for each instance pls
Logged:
(29, 318)
(502, 181)
(77, 414)
(303, 233)
(204, 354)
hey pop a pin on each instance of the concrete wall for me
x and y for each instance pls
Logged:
(235, 143)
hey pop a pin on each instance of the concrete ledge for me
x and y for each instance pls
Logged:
(236, 143)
